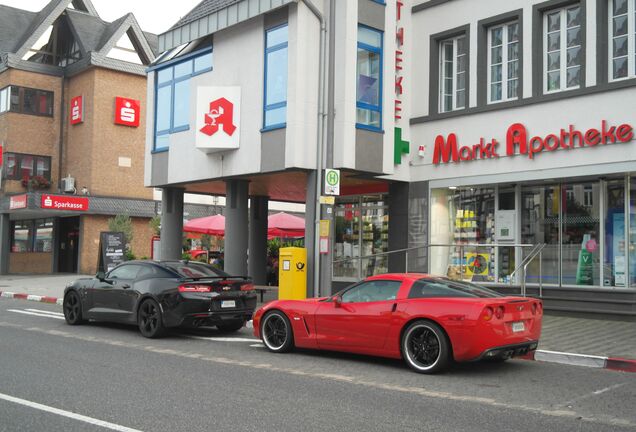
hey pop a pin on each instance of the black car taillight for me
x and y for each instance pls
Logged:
(194, 288)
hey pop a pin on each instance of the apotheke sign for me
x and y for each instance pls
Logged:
(520, 142)
(218, 118)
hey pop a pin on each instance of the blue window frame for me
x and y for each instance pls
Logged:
(369, 79)
(172, 94)
(275, 94)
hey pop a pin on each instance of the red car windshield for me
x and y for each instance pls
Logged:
(443, 287)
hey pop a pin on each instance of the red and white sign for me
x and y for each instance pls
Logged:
(399, 59)
(18, 202)
(218, 118)
(77, 110)
(127, 112)
(57, 202)
(520, 142)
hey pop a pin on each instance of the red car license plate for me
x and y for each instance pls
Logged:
(518, 327)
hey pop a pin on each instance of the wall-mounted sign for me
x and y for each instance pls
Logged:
(127, 112)
(332, 182)
(60, 202)
(77, 110)
(18, 202)
(218, 118)
(520, 142)
(400, 146)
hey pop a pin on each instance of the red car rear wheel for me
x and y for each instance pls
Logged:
(425, 347)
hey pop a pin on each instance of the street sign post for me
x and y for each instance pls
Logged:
(332, 182)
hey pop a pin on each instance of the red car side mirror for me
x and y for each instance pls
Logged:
(337, 301)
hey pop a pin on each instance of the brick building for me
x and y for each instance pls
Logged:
(72, 128)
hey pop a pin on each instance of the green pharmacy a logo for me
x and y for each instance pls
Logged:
(400, 146)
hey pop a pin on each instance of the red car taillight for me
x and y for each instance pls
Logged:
(487, 313)
(499, 312)
(534, 308)
(195, 288)
(247, 287)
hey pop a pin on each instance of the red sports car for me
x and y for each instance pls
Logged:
(426, 320)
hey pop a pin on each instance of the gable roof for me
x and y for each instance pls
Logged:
(12, 24)
(94, 36)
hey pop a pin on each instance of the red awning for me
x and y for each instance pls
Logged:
(210, 225)
(285, 225)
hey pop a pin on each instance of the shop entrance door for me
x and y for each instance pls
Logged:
(68, 245)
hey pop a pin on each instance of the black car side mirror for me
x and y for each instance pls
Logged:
(101, 276)
(337, 301)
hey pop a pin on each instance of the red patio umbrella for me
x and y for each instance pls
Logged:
(285, 225)
(210, 225)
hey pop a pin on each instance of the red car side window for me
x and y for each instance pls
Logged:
(371, 291)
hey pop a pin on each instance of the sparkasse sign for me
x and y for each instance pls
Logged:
(56, 202)
(520, 142)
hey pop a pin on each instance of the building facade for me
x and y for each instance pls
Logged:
(467, 135)
(72, 122)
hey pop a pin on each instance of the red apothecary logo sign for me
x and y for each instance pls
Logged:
(520, 142)
(221, 114)
(127, 112)
(56, 202)
(218, 118)
(77, 110)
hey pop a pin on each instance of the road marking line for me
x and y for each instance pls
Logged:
(35, 314)
(46, 312)
(260, 345)
(68, 414)
(223, 339)
(614, 387)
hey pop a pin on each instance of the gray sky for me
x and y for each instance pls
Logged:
(153, 16)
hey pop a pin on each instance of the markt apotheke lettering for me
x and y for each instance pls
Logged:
(520, 142)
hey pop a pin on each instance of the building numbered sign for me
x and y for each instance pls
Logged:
(332, 182)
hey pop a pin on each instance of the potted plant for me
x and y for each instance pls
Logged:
(36, 182)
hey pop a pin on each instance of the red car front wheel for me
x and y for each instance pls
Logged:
(425, 347)
(276, 332)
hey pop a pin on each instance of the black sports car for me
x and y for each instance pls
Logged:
(156, 295)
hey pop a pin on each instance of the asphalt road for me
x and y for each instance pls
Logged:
(101, 377)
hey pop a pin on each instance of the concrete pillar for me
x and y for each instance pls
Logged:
(257, 258)
(171, 223)
(5, 243)
(398, 221)
(236, 227)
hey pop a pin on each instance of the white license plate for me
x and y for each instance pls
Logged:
(518, 327)
(232, 303)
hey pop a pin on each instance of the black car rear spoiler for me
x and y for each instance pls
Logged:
(214, 278)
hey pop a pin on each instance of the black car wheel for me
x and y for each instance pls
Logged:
(231, 326)
(150, 322)
(72, 308)
(425, 347)
(276, 332)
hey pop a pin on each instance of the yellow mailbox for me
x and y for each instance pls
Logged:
(292, 273)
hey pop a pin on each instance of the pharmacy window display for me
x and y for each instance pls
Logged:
(361, 233)
(588, 227)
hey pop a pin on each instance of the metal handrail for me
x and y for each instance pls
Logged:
(537, 250)
(462, 247)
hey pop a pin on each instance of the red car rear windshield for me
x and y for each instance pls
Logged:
(442, 287)
(194, 270)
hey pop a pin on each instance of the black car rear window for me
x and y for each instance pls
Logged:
(442, 287)
(194, 270)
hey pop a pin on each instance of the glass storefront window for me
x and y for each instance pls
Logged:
(540, 208)
(362, 226)
(32, 236)
(580, 262)
(632, 233)
(614, 249)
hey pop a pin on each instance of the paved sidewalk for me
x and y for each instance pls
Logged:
(581, 341)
